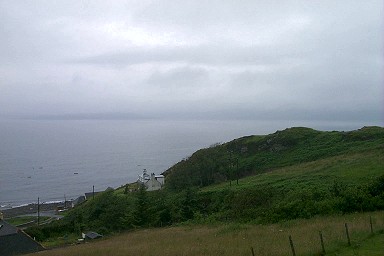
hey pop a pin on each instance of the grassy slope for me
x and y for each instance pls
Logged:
(237, 239)
(259, 154)
(353, 168)
(299, 191)
(374, 246)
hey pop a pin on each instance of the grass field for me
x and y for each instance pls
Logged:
(374, 246)
(237, 239)
(25, 219)
(356, 168)
(259, 154)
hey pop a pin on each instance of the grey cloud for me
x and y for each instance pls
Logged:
(206, 54)
(313, 60)
(179, 78)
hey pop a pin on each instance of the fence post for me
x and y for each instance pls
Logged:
(370, 223)
(292, 247)
(322, 243)
(346, 231)
(253, 253)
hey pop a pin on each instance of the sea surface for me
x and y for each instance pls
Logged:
(55, 160)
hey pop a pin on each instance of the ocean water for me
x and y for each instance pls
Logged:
(54, 159)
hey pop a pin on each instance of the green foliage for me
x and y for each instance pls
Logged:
(188, 204)
(25, 219)
(258, 154)
(141, 214)
(55, 229)
(105, 213)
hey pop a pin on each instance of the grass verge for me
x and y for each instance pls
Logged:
(237, 239)
(25, 219)
(372, 246)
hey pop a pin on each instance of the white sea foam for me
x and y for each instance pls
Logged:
(54, 202)
(5, 206)
(21, 205)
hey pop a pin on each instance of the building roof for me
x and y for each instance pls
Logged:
(92, 235)
(90, 194)
(14, 241)
(78, 200)
(6, 228)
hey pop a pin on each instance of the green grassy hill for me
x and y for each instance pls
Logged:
(258, 154)
(292, 174)
(339, 184)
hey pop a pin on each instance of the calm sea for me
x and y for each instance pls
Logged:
(54, 160)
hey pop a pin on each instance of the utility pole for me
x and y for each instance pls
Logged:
(237, 171)
(38, 211)
(230, 168)
(93, 192)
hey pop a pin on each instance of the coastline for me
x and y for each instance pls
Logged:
(31, 208)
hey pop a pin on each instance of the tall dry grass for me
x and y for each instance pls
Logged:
(234, 239)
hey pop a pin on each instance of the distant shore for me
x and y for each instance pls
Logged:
(31, 208)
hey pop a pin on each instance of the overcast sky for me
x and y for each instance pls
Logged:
(297, 60)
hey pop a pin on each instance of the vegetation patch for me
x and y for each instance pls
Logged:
(16, 221)
(238, 239)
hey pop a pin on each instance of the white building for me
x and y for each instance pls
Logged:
(151, 182)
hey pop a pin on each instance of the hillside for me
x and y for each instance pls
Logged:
(308, 173)
(258, 154)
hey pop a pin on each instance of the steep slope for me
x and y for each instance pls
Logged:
(257, 154)
(338, 184)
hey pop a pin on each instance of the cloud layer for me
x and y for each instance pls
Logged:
(297, 60)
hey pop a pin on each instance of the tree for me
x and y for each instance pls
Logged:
(141, 207)
(188, 204)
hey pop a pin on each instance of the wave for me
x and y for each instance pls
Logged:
(55, 202)
(10, 206)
